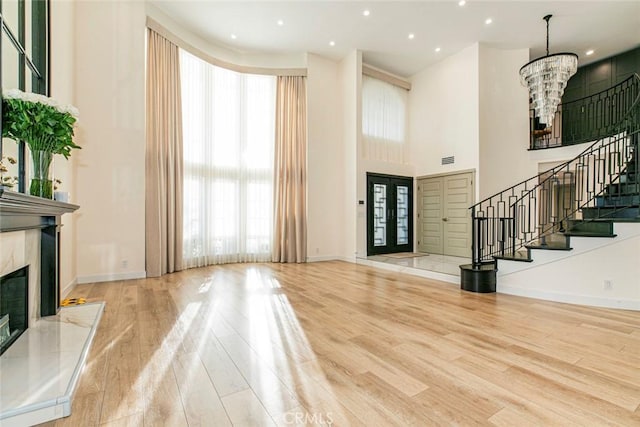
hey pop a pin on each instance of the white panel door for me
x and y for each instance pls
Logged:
(458, 197)
(444, 219)
(430, 230)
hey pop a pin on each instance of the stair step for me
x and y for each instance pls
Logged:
(629, 177)
(550, 246)
(588, 234)
(618, 200)
(611, 220)
(631, 219)
(610, 212)
(619, 189)
(592, 226)
(518, 256)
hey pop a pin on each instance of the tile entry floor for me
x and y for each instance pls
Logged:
(439, 263)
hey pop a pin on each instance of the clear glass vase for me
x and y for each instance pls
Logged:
(41, 182)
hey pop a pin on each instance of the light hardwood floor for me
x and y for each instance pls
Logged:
(343, 344)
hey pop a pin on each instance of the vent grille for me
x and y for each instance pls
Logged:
(448, 160)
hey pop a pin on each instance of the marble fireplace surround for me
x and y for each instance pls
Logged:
(39, 372)
(29, 235)
(20, 249)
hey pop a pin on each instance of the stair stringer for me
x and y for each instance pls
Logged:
(578, 276)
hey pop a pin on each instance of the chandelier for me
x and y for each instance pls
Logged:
(546, 78)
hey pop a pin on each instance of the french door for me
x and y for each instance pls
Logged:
(389, 214)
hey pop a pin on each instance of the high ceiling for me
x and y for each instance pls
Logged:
(607, 27)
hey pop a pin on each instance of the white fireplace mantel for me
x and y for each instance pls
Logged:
(19, 211)
(22, 212)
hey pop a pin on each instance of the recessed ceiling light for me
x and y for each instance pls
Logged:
(462, 3)
(411, 36)
(332, 43)
(233, 36)
(438, 49)
(366, 12)
(589, 52)
(280, 22)
(488, 21)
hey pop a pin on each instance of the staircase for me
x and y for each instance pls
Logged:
(582, 198)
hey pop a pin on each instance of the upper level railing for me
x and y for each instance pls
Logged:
(541, 205)
(586, 119)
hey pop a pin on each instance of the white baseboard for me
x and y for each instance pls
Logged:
(112, 277)
(64, 292)
(619, 303)
(320, 258)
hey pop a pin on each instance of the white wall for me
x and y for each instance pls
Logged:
(504, 120)
(110, 93)
(62, 89)
(444, 114)
(578, 276)
(350, 75)
(556, 155)
(326, 172)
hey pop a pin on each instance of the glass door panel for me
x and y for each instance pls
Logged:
(379, 215)
(402, 217)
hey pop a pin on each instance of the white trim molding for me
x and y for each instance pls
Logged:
(65, 291)
(321, 258)
(111, 277)
(593, 301)
(385, 76)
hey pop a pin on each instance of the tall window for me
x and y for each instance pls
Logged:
(384, 121)
(229, 136)
(24, 48)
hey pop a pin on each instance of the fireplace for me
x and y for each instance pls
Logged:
(29, 261)
(41, 369)
(14, 306)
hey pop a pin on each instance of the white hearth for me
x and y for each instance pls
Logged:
(40, 371)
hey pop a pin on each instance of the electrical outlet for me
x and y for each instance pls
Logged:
(317, 251)
(608, 285)
(125, 263)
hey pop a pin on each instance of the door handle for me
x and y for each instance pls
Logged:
(445, 219)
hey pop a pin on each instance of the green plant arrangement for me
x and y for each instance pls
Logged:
(45, 126)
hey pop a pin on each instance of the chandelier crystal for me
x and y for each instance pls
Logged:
(546, 78)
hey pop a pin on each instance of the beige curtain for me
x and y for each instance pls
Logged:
(290, 198)
(163, 158)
